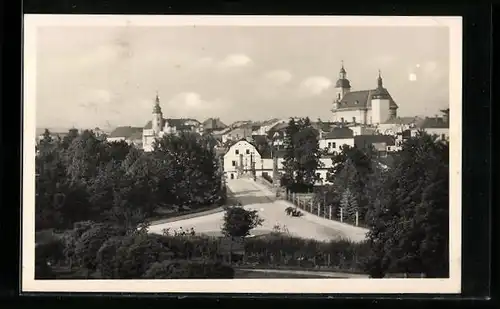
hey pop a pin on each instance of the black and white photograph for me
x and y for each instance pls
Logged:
(311, 154)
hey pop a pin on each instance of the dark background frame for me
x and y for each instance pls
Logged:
(476, 110)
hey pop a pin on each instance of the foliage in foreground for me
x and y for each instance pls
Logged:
(238, 221)
(410, 218)
(84, 177)
(136, 255)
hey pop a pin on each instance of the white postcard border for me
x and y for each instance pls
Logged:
(383, 286)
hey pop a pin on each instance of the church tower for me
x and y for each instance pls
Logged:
(380, 103)
(157, 116)
(343, 85)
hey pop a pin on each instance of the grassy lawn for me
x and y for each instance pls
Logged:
(164, 217)
(167, 215)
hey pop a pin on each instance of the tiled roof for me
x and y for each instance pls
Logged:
(402, 120)
(362, 141)
(280, 126)
(433, 123)
(338, 133)
(362, 99)
(239, 130)
(174, 122)
(136, 135)
(323, 126)
(125, 132)
(213, 123)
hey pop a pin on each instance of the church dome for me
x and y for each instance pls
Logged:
(343, 83)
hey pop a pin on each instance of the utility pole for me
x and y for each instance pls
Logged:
(252, 166)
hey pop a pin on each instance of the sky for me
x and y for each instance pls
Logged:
(108, 76)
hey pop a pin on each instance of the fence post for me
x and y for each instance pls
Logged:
(357, 218)
(319, 209)
(341, 215)
(330, 212)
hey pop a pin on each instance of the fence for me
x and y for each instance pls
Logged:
(306, 202)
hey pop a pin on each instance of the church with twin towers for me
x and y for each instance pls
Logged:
(367, 107)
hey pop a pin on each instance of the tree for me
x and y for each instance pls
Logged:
(84, 155)
(193, 169)
(302, 155)
(308, 153)
(117, 151)
(238, 222)
(289, 159)
(354, 169)
(409, 225)
(89, 243)
(349, 205)
(136, 253)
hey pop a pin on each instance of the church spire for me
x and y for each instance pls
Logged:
(156, 107)
(379, 80)
(342, 73)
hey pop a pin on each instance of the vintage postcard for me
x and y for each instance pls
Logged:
(242, 154)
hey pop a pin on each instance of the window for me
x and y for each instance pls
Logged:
(333, 145)
(237, 151)
(234, 163)
(443, 136)
(329, 145)
(318, 175)
(248, 151)
(232, 176)
(354, 119)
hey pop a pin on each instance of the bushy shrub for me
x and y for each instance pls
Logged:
(52, 250)
(106, 257)
(42, 267)
(189, 270)
(136, 253)
(43, 270)
(90, 242)
(238, 221)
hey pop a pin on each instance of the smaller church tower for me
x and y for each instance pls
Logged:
(157, 116)
(342, 86)
(380, 102)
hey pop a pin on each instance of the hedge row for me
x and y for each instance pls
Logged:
(160, 256)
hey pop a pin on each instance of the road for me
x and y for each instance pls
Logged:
(256, 196)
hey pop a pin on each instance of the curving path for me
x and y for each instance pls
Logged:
(253, 195)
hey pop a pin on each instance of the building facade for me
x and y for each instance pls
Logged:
(159, 126)
(372, 106)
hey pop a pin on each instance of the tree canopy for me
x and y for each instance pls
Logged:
(302, 154)
(409, 225)
(84, 177)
